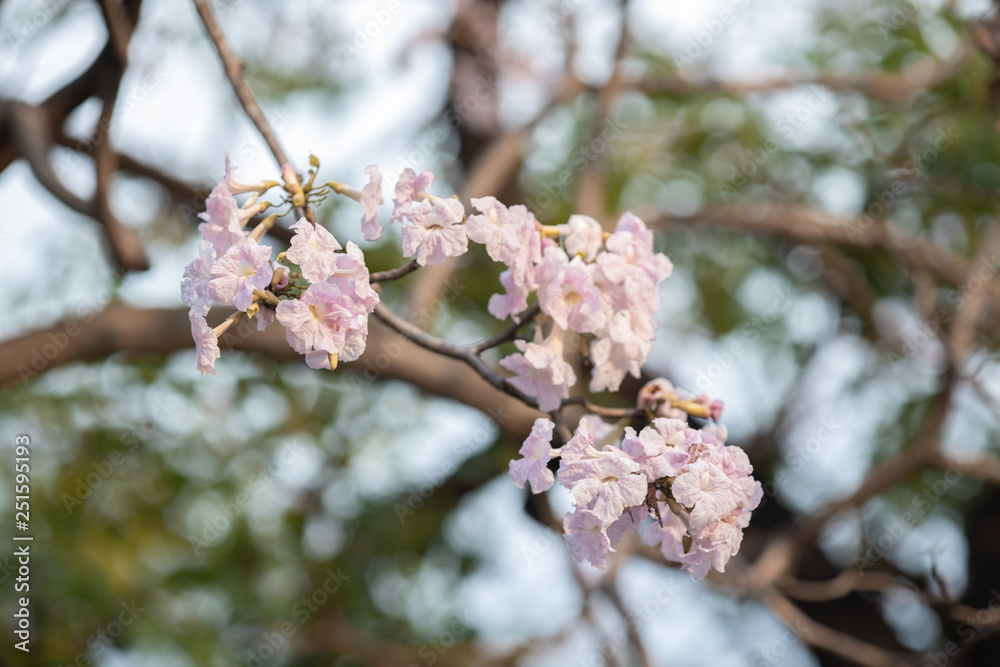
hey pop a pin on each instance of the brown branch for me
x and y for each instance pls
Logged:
(823, 637)
(394, 274)
(609, 587)
(463, 353)
(190, 196)
(970, 309)
(902, 86)
(843, 584)
(509, 333)
(122, 329)
(922, 452)
(33, 140)
(610, 413)
(336, 634)
(986, 468)
(119, 25)
(807, 225)
(233, 66)
(591, 188)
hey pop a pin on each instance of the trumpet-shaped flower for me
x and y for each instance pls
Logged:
(371, 197)
(410, 188)
(606, 485)
(197, 274)
(224, 219)
(540, 370)
(583, 237)
(566, 292)
(243, 269)
(510, 236)
(513, 302)
(314, 249)
(436, 231)
(536, 452)
(586, 538)
(206, 343)
(321, 319)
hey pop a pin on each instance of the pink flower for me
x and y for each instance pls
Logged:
(318, 359)
(721, 541)
(674, 431)
(627, 275)
(580, 446)
(206, 343)
(436, 230)
(632, 242)
(498, 228)
(515, 301)
(321, 319)
(541, 371)
(314, 249)
(350, 275)
(650, 451)
(586, 538)
(631, 519)
(371, 197)
(537, 452)
(670, 536)
(224, 219)
(194, 285)
(331, 317)
(410, 188)
(354, 347)
(510, 235)
(583, 237)
(239, 272)
(567, 292)
(629, 271)
(706, 488)
(606, 485)
(622, 350)
(265, 317)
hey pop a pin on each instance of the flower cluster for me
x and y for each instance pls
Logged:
(682, 488)
(593, 283)
(321, 296)
(596, 284)
(434, 228)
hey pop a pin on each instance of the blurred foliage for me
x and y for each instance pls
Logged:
(127, 537)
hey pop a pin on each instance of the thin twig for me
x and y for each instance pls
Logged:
(509, 333)
(609, 587)
(824, 637)
(119, 27)
(461, 352)
(610, 413)
(922, 453)
(394, 274)
(967, 315)
(233, 66)
(234, 72)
